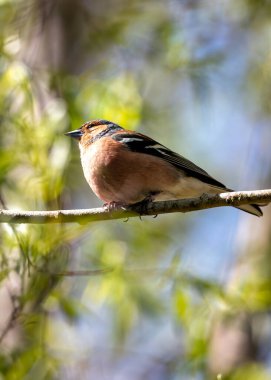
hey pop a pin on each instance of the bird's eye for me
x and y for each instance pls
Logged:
(92, 127)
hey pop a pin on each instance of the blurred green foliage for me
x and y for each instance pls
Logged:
(61, 64)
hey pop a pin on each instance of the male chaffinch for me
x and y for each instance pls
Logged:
(123, 167)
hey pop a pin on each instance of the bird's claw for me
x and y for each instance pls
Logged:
(113, 206)
(142, 207)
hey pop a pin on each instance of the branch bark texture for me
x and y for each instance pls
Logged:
(83, 216)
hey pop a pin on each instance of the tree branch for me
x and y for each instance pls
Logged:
(153, 208)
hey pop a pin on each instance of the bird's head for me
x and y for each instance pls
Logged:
(93, 130)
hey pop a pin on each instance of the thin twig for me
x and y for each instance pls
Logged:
(83, 216)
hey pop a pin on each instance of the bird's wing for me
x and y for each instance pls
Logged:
(136, 142)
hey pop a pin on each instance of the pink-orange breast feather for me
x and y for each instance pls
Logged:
(116, 174)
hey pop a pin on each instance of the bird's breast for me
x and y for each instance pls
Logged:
(101, 167)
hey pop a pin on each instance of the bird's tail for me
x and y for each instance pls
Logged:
(253, 209)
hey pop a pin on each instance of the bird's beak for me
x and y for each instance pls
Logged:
(76, 134)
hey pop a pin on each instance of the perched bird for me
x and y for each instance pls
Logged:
(123, 167)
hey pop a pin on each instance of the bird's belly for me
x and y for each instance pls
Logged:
(102, 176)
(186, 187)
(99, 181)
(131, 180)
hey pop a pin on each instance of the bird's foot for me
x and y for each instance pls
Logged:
(142, 207)
(113, 206)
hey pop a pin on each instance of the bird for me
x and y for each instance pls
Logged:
(124, 167)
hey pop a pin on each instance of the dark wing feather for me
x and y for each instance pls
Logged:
(142, 144)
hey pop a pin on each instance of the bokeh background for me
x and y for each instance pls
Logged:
(176, 297)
